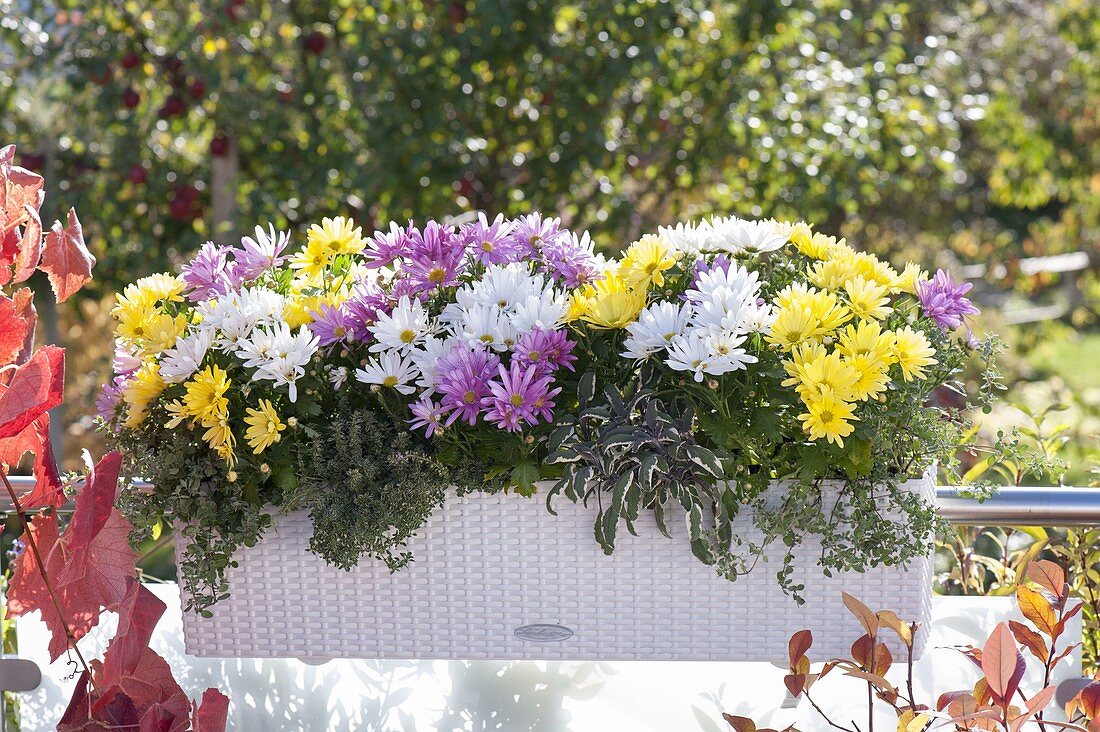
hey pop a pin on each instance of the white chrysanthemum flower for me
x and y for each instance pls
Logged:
(735, 235)
(504, 286)
(426, 358)
(390, 370)
(688, 238)
(735, 282)
(183, 359)
(279, 355)
(488, 325)
(655, 328)
(759, 317)
(545, 311)
(724, 313)
(403, 329)
(690, 352)
(338, 376)
(726, 353)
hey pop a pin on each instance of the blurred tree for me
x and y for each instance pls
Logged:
(887, 118)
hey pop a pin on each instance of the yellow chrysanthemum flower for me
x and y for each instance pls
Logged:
(578, 303)
(801, 354)
(135, 320)
(311, 261)
(162, 332)
(140, 392)
(178, 414)
(161, 287)
(908, 279)
(793, 326)
(913, 352)
(205, 398)
(645, 262)
(613, 304)
(800, 234)
(220, 438)
(867, 299)
(872, 377)
(817, 246)
(264, 427)
(828, 417)
(826, 307)
(826, 374)
(336, 236)
(867, 338)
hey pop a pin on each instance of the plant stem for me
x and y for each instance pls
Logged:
(821, 713)
(70, 640)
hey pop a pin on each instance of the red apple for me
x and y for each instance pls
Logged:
(130, 98)
(173, 107)
(196, 89)
(131, 60)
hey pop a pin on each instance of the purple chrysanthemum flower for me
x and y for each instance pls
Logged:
(384, 247)
(570, 259)
(436, 257)
(427, 414)
(463, 376)
(703, 267)
(532, 232)
(491, 243)
(521, 395)
(362, 310)
(943, 299)
(125, 361)
(260, 253)
(210, 273)
(106, 403)
(547, 349)
(332, 325)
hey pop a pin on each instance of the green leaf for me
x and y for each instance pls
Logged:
(523, 478)
(586, 389)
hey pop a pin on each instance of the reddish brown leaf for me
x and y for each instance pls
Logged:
(1030, 640)
(949, 696)
(1060, 626)
(30, 246)
(882, 660)
(863, 651)
(138, 614)
(981, 692)
(795, 683)
(19, 189)
(65, 259)
(35, 387)
(1088, 700)
(741, 724)
(1002, 663)
(212, 714)
(13, 330)
(1047, 575)
(863, 614)
(798, 645)
(1036, 703)
(96, 576)
(1037, 609)
(35, 438)
(24, 308)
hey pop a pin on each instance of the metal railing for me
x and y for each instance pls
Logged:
(1032, 506)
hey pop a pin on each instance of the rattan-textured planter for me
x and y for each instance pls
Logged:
(497, 577)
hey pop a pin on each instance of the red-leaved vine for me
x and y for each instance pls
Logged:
(72, 576)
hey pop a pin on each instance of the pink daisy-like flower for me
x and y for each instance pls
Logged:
(427, 414)
(491, 243)
(386, 246)
(332, 325)
(463, 376)
(435, 259)
(943, 299)
(210, 273)
(521, 395)
(532, 232)
(549, 350)
(362, 310)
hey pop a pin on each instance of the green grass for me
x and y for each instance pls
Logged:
(1076, 359)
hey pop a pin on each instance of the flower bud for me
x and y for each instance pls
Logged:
(292, 422)
(231, 476)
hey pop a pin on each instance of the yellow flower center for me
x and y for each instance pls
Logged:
(487, 338)
(486, 246)
(389, 381)
(469, 397)
(533, 355)
(516, 400)
(339, 331)
(408, 336)
(437, 275)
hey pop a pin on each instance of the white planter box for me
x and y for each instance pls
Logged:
(497, 577)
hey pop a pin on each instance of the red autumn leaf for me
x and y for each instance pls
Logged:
(30, 247)
(97, 575)
(1088, 699)
(795, 683)
(1002, 663)
(137, 618)
(882, 661)
(35, 387)
(1060, 626)
(949, 696)
(798, 645)
(213, 713)
(13, 330)
(19, 189)
(863, 651)
(35, 438)
(1047, 575)
(740, 724)
(65, 259)
(1030, 640)
(24, 308)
